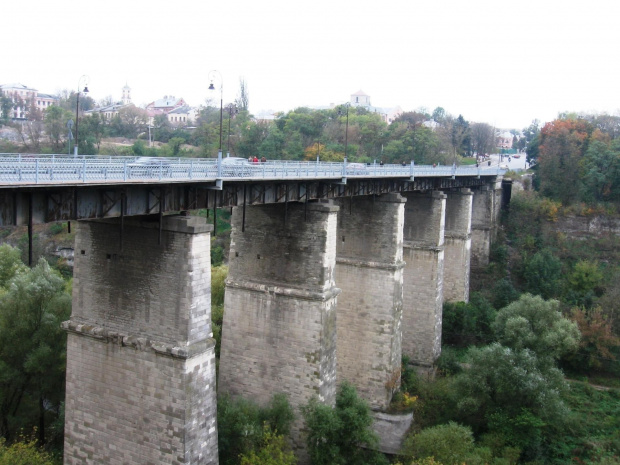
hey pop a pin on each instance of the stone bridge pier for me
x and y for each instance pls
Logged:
(279, 330)
(423, 253)
(457, 245)
(140, 353)
(485, 218)
(369, 270)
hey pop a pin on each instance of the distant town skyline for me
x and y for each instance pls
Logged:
(503, 63)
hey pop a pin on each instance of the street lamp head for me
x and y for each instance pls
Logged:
(86, 89)
(211, 86)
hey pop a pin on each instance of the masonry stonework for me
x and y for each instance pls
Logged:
(485, 218)
(423, 252)
(140, 352)
(279, 329)
(457, 247)
(369, 270)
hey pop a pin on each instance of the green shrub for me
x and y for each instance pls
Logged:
(242, 425)
(25, 452)
(342, 435)
(450, 444)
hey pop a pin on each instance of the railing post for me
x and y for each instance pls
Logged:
(36, 172)
(191, 169)
(83, 169)
(411, 170)
(125, 170)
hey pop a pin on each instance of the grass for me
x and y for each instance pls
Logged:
(593, 426)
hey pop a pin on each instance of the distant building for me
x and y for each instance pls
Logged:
(362, 99)
(176, 110)
(504, 140)
(110, 111)
(181, 116)
(24, 97)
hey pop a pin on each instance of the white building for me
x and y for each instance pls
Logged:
(24, 98)
(362, 99)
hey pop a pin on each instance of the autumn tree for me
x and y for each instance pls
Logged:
(562, 145)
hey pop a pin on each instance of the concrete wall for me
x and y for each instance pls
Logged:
(369, 270)
(140, 353)
(457, 247)
(279, 330)
(423, 252)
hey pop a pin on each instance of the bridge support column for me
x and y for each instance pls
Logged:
(140, 352)
(423, 252)
(485, 217)
(369, 270)
(279, 330)
(457, 248)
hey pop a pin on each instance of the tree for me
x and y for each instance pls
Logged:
(56, 125)
(6, 105)
(439, 115)
(129, 122)
(92, 128)
(483, 138)
(500, 384)
(535, 324)
(243, 101)
(32, 349)
(600, 172)
(542, 273)
(597, 340)
(10, 265)
(563, 143)
(341, 435)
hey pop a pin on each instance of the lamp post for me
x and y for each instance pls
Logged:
(85, 80)
(212, 75)
(346, 131)
(232, 108)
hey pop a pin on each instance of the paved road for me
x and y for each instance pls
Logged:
(515, 164)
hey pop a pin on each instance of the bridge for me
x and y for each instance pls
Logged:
(335, 271)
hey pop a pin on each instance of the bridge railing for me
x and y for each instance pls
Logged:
(57, 169)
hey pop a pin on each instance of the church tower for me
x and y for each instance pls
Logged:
(126, 95)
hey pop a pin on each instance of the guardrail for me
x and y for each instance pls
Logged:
(26, 169)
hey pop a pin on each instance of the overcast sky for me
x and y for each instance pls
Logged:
(504, 62)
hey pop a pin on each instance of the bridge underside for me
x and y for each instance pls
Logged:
(29, 205)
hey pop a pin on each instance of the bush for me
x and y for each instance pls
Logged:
(243, 426)
(341, 435)
(273, 450)
(25, 452)
(469, 323)
(450, 444)
(542, 274)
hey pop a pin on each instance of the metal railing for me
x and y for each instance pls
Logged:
(27, 169)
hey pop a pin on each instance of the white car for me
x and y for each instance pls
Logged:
(234, 161)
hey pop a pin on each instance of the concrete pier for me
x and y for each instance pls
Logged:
(140, 352)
